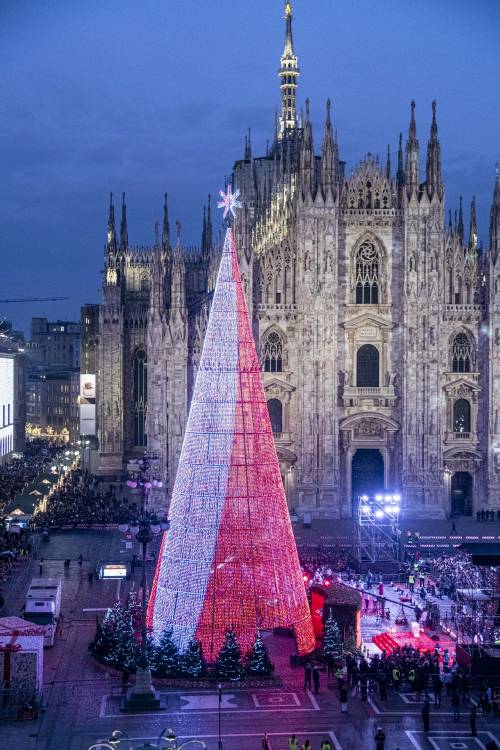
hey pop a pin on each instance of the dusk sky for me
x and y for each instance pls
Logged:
(154, 96)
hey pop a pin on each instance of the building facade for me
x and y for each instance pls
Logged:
(377, 319)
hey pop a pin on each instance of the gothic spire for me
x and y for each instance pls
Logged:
(111, 225)
(450, 223)
(328, 155)
(307, 162)
(248, 146)
(288, 73)
(460, 225)
(495, 218)
(400, 174)
(157, 293)
(388, 162)
(473, 225)
(433, 167)
(123, 225)
(166, 226)
(412, 154)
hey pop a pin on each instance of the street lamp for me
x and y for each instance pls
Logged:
(143, 476)
(167, 736)
(83, 444)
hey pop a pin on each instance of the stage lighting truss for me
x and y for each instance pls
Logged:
(378, 527)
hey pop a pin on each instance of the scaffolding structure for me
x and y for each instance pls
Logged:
(378, 528)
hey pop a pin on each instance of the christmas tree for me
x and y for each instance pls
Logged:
(258, 661)
(167, 656)
(229, 665)
(123, 653)
(228, 501)
(193, 664)
(332, 646)
(115, 642)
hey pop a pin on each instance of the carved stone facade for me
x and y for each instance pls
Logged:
(378, 324)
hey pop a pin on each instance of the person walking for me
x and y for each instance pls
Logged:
(326, 744)
(453, 529)
(343, 699)
(411, 582)
(292, 743)
(426, 711)
(472, 719)
(40, 568)
(316, 679)
(307, 745)
(330, 663)
(125, 679)
(266, 742)
(379, 739)
(438, 689)
(455, 702)
(307, 677)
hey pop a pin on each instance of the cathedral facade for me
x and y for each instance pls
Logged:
(377, 320)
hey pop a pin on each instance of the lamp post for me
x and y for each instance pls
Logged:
(167, 736)
(83, 444)
(143, 476)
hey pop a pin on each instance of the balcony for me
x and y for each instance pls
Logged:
(377, 396)
(460, 312)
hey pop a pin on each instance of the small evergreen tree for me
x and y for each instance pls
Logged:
(125, 652)
(115, 642)
(167, 655)
(229, 664)
(332, 645)
(104, 635)
(258, 661)
(193, 664)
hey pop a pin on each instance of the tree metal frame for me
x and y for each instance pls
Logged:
(378, 528)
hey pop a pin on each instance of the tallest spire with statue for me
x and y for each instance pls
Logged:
(229, 558)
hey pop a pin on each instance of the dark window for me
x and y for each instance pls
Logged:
(461, 415)
(367, 274)
(275, 408)
(140, 398)
(461, 353)
(367, 367)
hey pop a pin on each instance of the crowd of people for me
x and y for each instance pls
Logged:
(82, 500)
(18, 473)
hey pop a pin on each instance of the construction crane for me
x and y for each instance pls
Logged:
(33, 299)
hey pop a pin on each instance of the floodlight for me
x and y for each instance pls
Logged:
(396, 498)
(378, 498)
(365, 509)
(379, 513)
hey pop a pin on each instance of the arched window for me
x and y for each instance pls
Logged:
(367, 274)
(145, 283)
(462, 354)
(461, 415)
(275, 408)
(272, 352)
(367, 367)
(140, 367)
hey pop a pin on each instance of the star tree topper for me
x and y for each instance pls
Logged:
(229, 201)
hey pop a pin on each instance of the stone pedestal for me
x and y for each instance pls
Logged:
(143, 696)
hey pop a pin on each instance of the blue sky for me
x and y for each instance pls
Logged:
(154, 96)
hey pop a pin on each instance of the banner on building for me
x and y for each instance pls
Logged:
(87, 388)
(87, 419)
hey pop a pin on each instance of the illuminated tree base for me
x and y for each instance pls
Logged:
(229, 558)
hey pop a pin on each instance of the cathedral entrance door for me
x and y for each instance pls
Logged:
(367, 474)
(461, 493)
